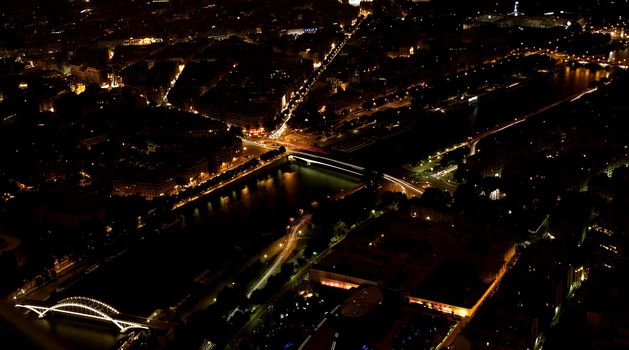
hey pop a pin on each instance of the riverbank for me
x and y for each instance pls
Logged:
(283, 159)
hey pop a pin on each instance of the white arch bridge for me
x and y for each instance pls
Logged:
(89, 308)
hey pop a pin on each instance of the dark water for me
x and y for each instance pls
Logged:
(80, 335)
(436, 131)
(214, 233)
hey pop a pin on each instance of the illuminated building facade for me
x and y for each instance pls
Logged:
(447, 267)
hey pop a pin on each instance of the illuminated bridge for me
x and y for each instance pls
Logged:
(407, 188)
(89, 308)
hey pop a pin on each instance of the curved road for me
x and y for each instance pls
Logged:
(284, 254)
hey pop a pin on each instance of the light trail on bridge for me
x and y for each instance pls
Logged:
(353, 169)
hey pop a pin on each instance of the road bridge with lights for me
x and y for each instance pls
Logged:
(407, 188)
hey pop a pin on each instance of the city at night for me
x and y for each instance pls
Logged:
(314, 174)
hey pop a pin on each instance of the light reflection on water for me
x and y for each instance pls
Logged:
(79, 335)
(576, 79)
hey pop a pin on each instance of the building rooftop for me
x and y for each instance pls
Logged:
(448, 263)
(362, 302)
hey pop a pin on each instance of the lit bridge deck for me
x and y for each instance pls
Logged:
(89, 308)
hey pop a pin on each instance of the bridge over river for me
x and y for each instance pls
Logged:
(88, 308)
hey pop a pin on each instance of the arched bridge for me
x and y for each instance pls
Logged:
(94, 309)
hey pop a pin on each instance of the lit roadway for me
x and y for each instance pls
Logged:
(295, 280)
(472, 142)
(284, 254)
(236, 178)
(403, 101)
(305, 89)
(602, 60)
